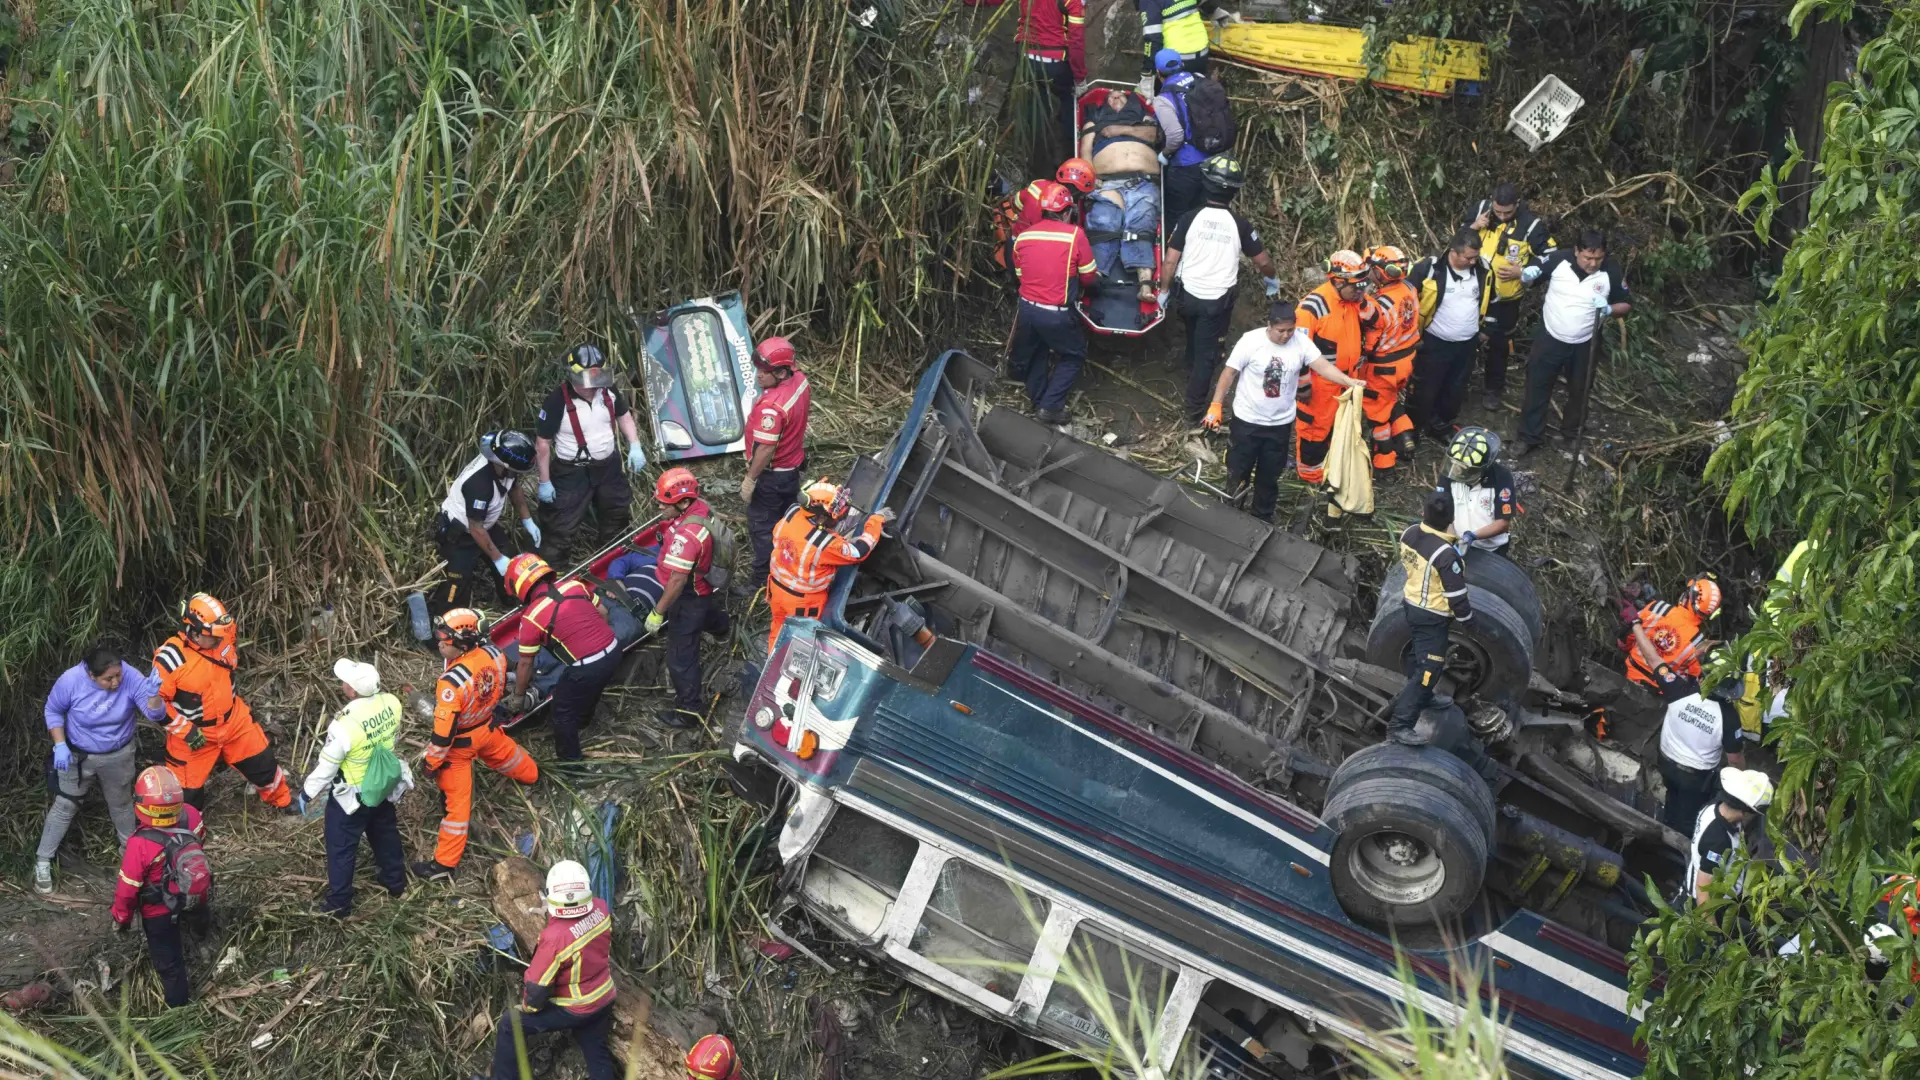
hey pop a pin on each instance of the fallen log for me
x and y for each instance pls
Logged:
(652, 1055)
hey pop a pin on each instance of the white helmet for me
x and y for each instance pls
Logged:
(1748, 786)
(569, 893)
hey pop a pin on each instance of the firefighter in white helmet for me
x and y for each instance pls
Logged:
(1721, 830)
(569, 983)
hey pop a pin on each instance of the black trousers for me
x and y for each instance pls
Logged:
(1049, 349)
(1426, 657)
(1502, 319)
(574, 699)
(381, 826)
(1687, 791)
(599, 484)
(1552, 358)
(1440, 373)
(1207, 322)
(772, 496)
(589, 1034)
(169, 953)
(467, 567)
(1054, 79)
(1259, 451)
(689, 617)
(1182, 192)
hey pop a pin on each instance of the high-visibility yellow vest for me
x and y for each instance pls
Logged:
(371, 721)
(1182, 28)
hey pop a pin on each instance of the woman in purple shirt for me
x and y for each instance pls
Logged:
(90, 715)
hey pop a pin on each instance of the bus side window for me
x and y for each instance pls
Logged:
(858, 868)
(1118, 992)
(980, 927)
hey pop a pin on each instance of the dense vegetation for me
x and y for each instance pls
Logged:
(1830, 456)
(270, 265)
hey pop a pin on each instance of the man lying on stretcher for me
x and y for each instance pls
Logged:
(1119, 136)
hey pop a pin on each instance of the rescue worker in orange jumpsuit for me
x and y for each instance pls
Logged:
(1336, 315)
(1670, 634)
(1389, 346)
(808, 548)
(713, 1058)
(463, 729)
(207, 722)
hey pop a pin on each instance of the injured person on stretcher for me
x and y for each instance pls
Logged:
(1118, 134)
(631, 590)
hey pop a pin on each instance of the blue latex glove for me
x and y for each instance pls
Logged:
(1600, 304)
(546, 492)
(533, 531)
(1466, 540)
(1273, 286)
(636, 457)
(1530, 274)
(62, 756)
(500, 565)
(654, 622)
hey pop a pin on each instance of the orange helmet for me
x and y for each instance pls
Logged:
(1389, 260)
(1346, 267)
(825, 499)
(157, 797)
(1076, 173)
(1054, 197)
(675, 484)
(461, 626)
(1703, 595)
(203, 614)
(523, 571)
(712, 1058)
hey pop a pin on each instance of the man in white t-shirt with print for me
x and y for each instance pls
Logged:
(1266, 365)
(1584, 288)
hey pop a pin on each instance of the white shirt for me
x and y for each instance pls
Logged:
(462, 506)
(1258, 359)
(1210, 255)
(1457, 318)
(1473, 508)
(596, 423)
(1568, 311)
(1690, 735)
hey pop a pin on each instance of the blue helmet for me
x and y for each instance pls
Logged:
(1168, 62)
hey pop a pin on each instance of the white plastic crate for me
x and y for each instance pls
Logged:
(1543, 114)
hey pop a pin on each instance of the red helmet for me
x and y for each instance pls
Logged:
(712, 1058)
(675, 484)
(1076, 173)
(1054, 197)
(523, 571)
(774, 353)
(157, 797)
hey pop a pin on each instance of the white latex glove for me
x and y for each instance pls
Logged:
(1530, 274)
(746, 488)
(1145, 89)
(533, 531)
(885, 514)
(500, 566)
(636, 457)
(1160, 298)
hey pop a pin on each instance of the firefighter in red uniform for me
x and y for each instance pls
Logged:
(807, 549)
(464, 729)
(1389, 346)
(161, 809)
(1053, 34)
(713, 1058)
(564, 617)
(207, 722)
(1670, 634)
(686, 606)
(1336, 315)
(569, 982)
(1051, 259)
(1021, 210)
(778, 434)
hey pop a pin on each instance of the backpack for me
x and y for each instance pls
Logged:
(188, 882)
(1209, 119)
(381, 777)
(720, 570)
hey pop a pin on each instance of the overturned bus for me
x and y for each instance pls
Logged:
(1075, 715)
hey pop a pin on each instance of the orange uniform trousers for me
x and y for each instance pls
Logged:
(1380, 402)
(497, 751)
(239, 742)
(786, 605)
(1313, 426)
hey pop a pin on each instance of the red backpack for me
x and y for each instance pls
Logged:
(187, 884)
